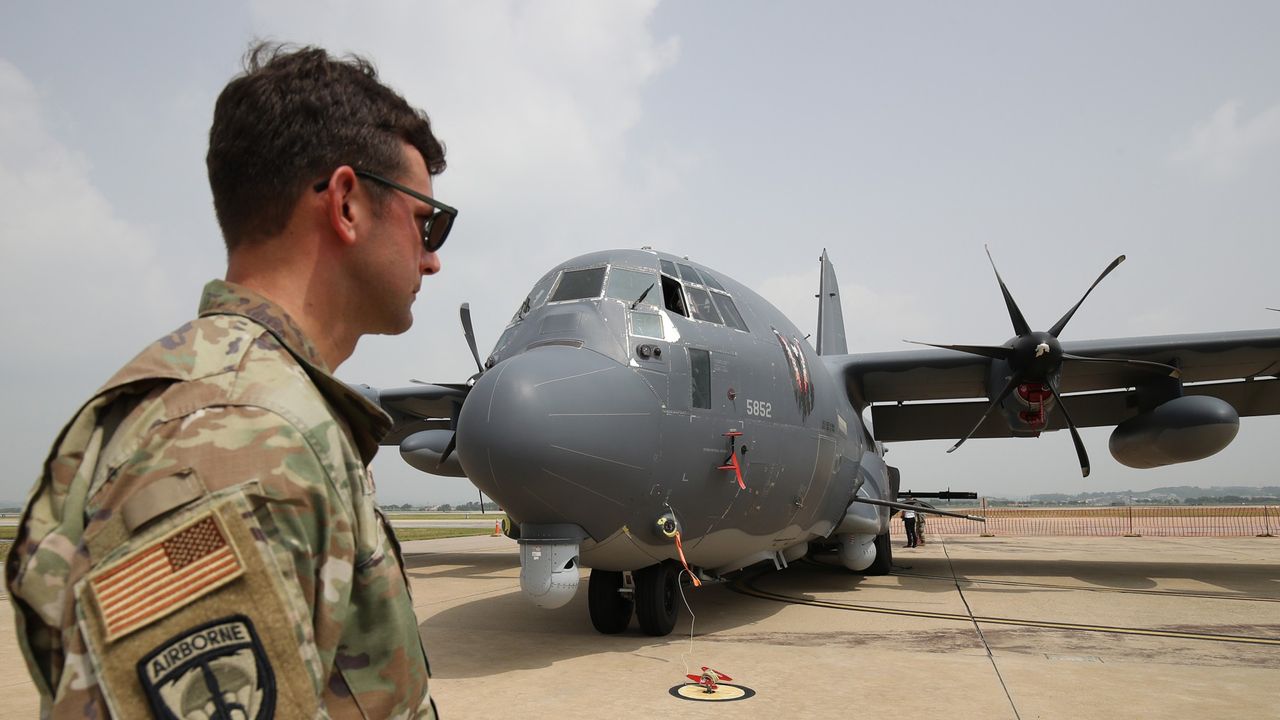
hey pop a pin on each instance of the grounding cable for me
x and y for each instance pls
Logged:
(981, 636)
(684, 657)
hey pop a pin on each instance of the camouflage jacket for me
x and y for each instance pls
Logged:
(204, 539)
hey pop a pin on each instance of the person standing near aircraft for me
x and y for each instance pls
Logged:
(909, 522)
(204, 537)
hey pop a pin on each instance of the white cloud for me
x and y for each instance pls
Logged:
(81, 287)
(533, 100)
(63, 243)
(1226, 143)
(874, 321)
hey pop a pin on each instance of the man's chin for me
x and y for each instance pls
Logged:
(397, 327)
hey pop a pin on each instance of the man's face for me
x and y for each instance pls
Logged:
(393, 260)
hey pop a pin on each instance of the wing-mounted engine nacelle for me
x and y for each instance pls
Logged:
(424, 450)
(1028, 407)
(1184, 429)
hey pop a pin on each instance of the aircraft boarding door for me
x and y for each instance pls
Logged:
(701, 388)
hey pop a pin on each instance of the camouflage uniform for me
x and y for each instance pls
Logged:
(204, 538)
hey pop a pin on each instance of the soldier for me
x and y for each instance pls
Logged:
(204, 539)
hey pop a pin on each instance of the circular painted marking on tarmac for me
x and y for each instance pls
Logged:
(722, 693)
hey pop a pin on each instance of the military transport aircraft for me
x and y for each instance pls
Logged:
(643, 415)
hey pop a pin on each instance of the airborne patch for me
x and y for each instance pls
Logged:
(164, 576)
(217, 670)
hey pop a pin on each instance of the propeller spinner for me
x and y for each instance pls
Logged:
(1036, 358)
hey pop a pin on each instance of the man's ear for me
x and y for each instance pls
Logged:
(342, 205)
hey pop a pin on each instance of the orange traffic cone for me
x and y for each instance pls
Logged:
(497, 528)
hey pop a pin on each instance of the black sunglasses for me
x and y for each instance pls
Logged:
(435, 229)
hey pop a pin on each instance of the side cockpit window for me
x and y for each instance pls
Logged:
(672, 296)
(536, 297)
(701, 305)
(728, 311)
(579, 285)
(703, 298)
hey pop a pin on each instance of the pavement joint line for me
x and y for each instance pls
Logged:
(741, 586)
(1135, 591)
(977, 627)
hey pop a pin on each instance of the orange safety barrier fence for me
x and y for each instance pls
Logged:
(1136, 520)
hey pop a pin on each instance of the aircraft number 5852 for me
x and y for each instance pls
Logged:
(762, 409)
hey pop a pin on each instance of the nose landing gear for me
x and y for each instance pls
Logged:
(655, 599)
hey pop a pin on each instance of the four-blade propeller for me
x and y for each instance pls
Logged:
(1035, 359)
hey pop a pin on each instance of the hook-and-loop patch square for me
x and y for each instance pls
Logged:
(165, 575)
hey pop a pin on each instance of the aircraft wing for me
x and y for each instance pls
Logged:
(417, 407)
(1238, 367)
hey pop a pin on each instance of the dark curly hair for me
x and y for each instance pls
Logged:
(293, 116)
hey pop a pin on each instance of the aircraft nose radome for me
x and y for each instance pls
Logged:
(561, 435)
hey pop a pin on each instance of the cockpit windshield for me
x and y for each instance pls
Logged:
(579, 284)
(633, 286)
(678, 288)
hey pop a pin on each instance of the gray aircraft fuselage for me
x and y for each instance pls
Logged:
(600, 415)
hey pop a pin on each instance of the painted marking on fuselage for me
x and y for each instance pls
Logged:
(583, 487)
(488, 415)
(760, 408)
(597, 457)
(571, 377)
(599, 414)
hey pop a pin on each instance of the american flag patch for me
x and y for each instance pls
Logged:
(166, 575)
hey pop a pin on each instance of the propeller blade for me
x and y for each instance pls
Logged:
(448, 449)
(1014, 381)
(1058, 326)
(1081, 455)
(1155, 367)
(465, 313)
(1275, 309)
(996, 352)
(1020, 325)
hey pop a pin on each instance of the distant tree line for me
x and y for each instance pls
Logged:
(473, 506)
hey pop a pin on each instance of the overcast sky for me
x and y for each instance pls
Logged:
(746, 135)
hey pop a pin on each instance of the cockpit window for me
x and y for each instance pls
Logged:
(711, 281)
(630, 286)
(728, 311)
(646, 324)
(700, 303)
(536, 297)
(688, 274)
(672, 298)
(669, 268)
(579, 284)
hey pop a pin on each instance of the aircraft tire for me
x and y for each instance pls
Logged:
(884, 556)
(658, 598)
(610, 610)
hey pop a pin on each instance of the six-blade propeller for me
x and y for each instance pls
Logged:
(1035, 359)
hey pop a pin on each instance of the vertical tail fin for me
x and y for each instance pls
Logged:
(830, 317)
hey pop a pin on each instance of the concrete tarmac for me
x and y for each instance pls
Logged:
(964, 628)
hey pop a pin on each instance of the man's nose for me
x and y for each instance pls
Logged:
(430, 264)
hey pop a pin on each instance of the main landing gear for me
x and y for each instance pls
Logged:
(884, 556)
(655, 599)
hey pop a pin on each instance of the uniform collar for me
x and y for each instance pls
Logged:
(367, 421)
(226, 298)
